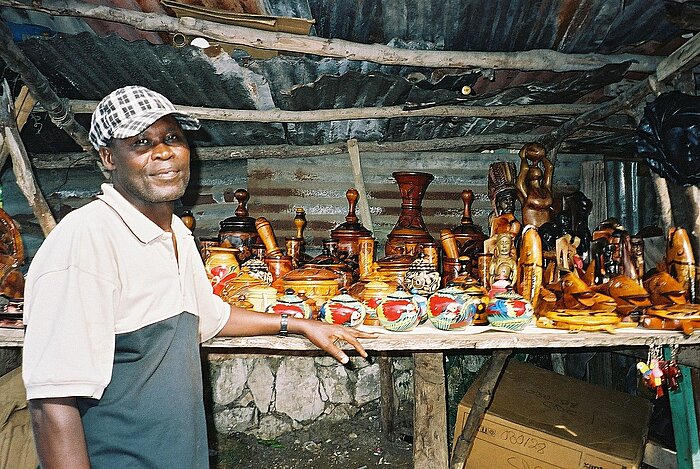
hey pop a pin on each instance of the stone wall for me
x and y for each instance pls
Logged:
(267, 396)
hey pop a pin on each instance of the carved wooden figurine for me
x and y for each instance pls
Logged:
(534, 185)
(530, 266)
(503, 195)
(680, 261)
(503, 265)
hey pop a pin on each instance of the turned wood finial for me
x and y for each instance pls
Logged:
(467, 198)
(300, 222)
(242, 196)
(449, 243)
(352, 195)
(268, 237)
(188, 219)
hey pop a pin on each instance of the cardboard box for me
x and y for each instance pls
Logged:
(541, 420)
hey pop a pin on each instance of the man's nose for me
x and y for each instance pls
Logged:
(162, 151)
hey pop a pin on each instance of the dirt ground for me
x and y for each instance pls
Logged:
(353, 444)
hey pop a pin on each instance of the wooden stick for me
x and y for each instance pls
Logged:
(40, 88)
(23, 107)
(21, 165)
(386, 406)
(65, 160)
(429, 411)
(664, 199)
(542, 59)
(324, 115)
(481, 403)
(362, 202)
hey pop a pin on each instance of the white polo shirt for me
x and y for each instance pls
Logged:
(106, 269)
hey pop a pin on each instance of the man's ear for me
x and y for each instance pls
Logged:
(107, 158)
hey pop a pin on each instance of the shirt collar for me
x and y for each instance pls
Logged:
(143, 228)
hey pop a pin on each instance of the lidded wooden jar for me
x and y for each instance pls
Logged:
(469, 236)
(347, 234)
(239, 231)
(317, 283)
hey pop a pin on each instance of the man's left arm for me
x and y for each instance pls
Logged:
(243, 322)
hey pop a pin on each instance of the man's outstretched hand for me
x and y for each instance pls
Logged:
(328, 337)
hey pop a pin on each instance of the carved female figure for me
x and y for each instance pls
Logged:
(534, 185)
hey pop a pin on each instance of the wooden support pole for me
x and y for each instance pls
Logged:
(24, 103)
(481, 403)
(504, 112)
(362, 202)
(664, 200)
(543, 59)
(387, 408)
(73, 160)
(429, 411)
(685, 425)
(21, 165)
(40, 88)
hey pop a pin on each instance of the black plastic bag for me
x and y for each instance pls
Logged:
(668, 137)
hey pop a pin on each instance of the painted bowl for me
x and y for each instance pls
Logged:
(344, 310)
(510, 311)
(398, 311)
(450, 309)
(290, 304)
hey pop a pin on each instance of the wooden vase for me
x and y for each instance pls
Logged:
(410, 229)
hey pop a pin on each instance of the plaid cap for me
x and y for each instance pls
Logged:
(130, 110)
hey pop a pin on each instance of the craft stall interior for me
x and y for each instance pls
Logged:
(401, 165)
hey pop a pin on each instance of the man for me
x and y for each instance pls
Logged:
(117, 302)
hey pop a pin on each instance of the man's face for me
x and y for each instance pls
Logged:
(152, 167)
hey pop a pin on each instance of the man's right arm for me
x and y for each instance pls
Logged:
(58, 433)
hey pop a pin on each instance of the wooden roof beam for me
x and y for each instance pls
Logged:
(542, 59)
(387, 112)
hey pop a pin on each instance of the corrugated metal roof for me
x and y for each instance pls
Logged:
(86, 66)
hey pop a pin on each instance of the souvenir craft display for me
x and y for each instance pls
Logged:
(515, 278)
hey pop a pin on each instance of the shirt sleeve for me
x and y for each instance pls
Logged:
(69, 340)
(213, 312)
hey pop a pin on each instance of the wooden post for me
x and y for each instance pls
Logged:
(23, 106)
(664, 199)
(21, 165)
(386, 406)
(362, 203)
(429, 411)
(685, 426)
(481, 403)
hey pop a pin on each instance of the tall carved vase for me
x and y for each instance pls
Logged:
(410, 229)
